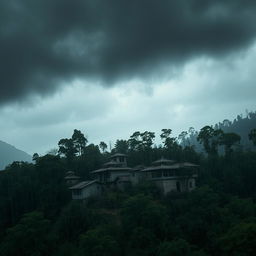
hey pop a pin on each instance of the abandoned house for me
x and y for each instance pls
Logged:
(168, 176)
(115, 172)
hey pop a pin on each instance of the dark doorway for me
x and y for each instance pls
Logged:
(178, 186)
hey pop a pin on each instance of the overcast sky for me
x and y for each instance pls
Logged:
(109, 68)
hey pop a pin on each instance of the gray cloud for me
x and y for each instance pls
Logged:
(207, 91)
(47, 42)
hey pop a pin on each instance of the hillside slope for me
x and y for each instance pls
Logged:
(9, 153)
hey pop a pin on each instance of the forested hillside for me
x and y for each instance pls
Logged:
(38, 217)
(241, 125)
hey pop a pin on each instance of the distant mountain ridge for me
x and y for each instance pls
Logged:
(9, 153)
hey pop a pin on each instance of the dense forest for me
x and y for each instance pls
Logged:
(38, 217)
(241, 125)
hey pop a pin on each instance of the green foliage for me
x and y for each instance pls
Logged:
(26, 187)
(91, 159)
(135, 141)
(73, 146)
(166, 133)
(242, 208)
(183, 138)
(98, 242)
(147, 188)
(67, 148)
(143, 241)
(103, 146)
(109, 200)
(50, 171)
(142, 140)
(252, 136)
(147, 139)
(35, 157)
(28, 237)
(168, 141)
(142, 238)
(140, 147)
(177, 247)
(240, 240)
(228, 140)
(121, 146)
(66, 249)
(210, 138)
(37, 216)
(142, 211)
(74, 220)
(79, 141)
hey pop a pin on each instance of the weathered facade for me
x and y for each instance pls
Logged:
(114, 173)
(86, 189)
(171, 176)
(136, 175)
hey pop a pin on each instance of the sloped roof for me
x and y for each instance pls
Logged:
(112, 169)
(71, 177)
(113, 163)
(163, 161)
(70, 173)
(170, 167)
(118, 155)
(188, 164)
(83, 184)
(137, 168)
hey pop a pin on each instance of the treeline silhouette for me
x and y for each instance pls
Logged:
(241, 125)
(38, 217)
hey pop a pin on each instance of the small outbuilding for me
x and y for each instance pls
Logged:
(86, 189)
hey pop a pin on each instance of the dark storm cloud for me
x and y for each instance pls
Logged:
(46, 42)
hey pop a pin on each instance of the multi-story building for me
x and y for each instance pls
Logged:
(169, 175)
